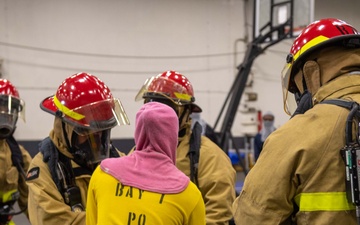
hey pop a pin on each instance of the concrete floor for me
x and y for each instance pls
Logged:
(20, 219)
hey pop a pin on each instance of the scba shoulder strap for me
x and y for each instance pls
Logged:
(62, 174)
(194, 152)
(51, 157)
(351, 153)
(16, 155)
(354, 113)
(9, 198)
(339, 102)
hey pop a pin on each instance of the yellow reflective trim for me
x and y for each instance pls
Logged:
(7, 196)
(67, 111)
(310, 44)
(323, 201)
(182, 96)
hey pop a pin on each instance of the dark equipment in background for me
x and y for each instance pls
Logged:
(269, 33)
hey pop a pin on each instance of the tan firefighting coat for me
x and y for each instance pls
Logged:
(46, 204)
(216, 178)
(9, 175)
(300, 171)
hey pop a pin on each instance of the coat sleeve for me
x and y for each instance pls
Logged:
(46, 205)
(264, 199)
(269, 187)
(216, 178)
(23, 188)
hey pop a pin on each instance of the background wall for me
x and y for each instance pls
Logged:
(124, 42)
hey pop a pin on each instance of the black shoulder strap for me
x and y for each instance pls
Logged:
(57, 161)
(51, 157)
(194, 151)
(343, 103)
(16, 155)
(354, 113)
(211, 134)
(18, 162)
(62, 174)
(113, 152)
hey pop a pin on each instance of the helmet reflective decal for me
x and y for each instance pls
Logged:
(70, 113)
(182, 96)
(309, 45)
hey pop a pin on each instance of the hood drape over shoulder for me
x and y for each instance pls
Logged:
(151, 166)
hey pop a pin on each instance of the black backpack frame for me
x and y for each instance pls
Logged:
(351, 152)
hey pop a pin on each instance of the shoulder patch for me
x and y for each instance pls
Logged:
(33, 173)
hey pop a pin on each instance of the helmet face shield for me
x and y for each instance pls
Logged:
(289, 102)
(167, 88)
(171, 89)
(165, 100)
(97, 149)
(144, 89)
(91, 149)
(169, 85)
(11, 108)
(94, 117)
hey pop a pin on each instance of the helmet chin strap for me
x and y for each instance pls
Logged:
(65, 134)
(304, 103)
(303, 100)
(184, 116)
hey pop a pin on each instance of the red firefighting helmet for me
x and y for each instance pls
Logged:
(170, 85)
(85, 101)
(315, 36)
(7, 88)
(10, 99)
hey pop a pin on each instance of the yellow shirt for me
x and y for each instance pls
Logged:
(109, 202)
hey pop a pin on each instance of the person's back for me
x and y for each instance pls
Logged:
(119, 204)
(301, 167)
(145, 187)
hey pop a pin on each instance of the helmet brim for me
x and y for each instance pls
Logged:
(195, 108)
(154, 95)
(48, 105)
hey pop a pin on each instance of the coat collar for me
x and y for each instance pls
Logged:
(340, 87)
